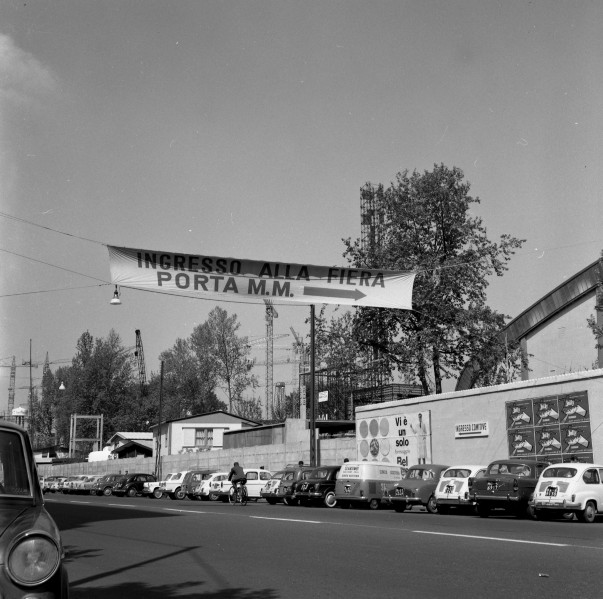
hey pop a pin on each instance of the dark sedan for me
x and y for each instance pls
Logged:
(318, 488)
(31, 550)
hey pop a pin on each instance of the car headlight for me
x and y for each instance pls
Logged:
(33, 559)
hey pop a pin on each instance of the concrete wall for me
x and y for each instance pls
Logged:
(272, 457)
(485, 405)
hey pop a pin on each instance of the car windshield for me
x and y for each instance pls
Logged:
(319, 473)
(14, 479)
(560, 472)
(420, 474)
(508, 468)
(456, 473)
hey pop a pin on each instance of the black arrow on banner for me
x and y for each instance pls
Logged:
(342, 293)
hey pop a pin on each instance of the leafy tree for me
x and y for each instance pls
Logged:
(215, 341)
(424, 223)
(189, 382)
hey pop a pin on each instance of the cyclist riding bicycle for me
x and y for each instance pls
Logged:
(237, 476)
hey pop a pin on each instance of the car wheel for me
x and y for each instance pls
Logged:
(131, 492)
(289, 501)
(374, 504)
(178, 494)
(588, 513)
(107, 491)
(483, 511)
(432, 506)
(157, 493)
(330, 500)
(214, 497)
(443, 509)
(271, 501)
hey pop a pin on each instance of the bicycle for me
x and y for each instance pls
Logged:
(238, 494)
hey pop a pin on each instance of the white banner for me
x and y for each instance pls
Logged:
(193, 275)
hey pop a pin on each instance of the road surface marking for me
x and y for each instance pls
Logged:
(286, 519)
(449, 534)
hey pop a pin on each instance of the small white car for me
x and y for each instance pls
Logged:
(155, 489)
(211, 488)
(569, 488)
(173, 487)
(256, 480)
(69, 486)
(453, 487)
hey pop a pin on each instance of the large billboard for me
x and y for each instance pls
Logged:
(403, 438)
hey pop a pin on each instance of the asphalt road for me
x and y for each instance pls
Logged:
(138, 547)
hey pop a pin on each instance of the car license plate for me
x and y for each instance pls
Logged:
(449, 489)
(551, 492)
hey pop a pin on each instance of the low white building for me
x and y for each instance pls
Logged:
(203, 432)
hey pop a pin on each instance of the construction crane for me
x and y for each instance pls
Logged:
(301, 351)
(271, 314)
(142, 375)
(13, 375)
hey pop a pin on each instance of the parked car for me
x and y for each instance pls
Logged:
(154, 488)
(509, 485)
(57, 484)
(104, 485)
(131, 484)
(69, 485)
(211, 487)
(256, 480)
(571, 488)
(33, 558)
(88, 485)
(366, 483)
(283, 491)
(192, 480)
(318, 488)
(48, 482)
(453, 488)
(173, 486)
(270, 490)
(418, 487)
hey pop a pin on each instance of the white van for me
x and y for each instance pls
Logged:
(366, 483)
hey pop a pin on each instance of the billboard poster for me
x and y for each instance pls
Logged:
(548, 440)
(401, 438)
(520, 414)
(522, 443)
(574, 407)
(547, 411)
(556, 428)
(576, 437)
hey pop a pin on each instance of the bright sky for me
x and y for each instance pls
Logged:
(246, 129)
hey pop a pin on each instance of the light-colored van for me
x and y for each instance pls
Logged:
(365, 483)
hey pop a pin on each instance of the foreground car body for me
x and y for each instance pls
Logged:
(417, 488)
(318, 488)
(453, 489)
(571, 488)
(31, 551)
(508, 485)
(211, 487)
